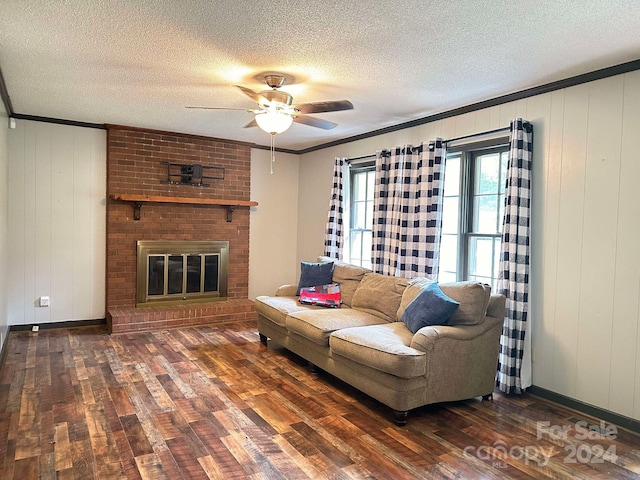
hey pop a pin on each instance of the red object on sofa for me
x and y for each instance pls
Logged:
(322, 295)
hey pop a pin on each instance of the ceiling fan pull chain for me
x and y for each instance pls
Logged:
(273, 153)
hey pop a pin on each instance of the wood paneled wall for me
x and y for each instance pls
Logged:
(56, 217)
(273, 240)
(585, 290)
(4, 224)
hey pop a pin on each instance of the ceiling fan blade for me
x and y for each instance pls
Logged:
(319, 107)
(315, 122)
(220, 108)
(255, 96)
(252, 123)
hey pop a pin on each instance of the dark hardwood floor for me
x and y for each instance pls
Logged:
(212, 402)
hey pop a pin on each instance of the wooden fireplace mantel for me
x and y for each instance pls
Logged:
(138, 200)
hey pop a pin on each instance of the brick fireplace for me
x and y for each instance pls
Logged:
(137, 166)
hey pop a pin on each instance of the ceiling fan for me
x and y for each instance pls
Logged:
(276, 111)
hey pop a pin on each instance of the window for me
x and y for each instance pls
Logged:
(474, 189)
(473, 207)
(360, 215)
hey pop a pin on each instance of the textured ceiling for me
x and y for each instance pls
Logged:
(140, 62)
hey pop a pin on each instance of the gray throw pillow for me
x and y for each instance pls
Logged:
(430, 307)
(314, 273)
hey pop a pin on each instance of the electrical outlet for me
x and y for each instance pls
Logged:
(35, 328)
(533, 355)
(44, 301)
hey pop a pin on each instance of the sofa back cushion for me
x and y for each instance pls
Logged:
(348, 276)
(473, 298)
(379, 295)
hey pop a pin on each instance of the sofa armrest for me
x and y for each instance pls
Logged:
(286, 291)
(496, 306)
(425, 338)
(462, 359)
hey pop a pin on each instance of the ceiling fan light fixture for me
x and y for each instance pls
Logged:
(276, 111)
(273, 121)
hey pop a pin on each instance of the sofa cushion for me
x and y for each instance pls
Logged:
(430, 307)
(473, 298)
(348, 276)
(379, 295)
(385, 347)
(276, 309)
(314, 273)
(416, 285)
(317, 325)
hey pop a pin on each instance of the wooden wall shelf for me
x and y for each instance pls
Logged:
(138, 200)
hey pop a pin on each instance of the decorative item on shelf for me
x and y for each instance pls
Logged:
(185, 174)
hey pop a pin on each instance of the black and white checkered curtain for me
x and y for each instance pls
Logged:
(407, 210)
(513, 280)
(334, 233)
(386, 211)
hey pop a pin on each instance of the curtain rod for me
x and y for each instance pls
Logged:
(385, 153)
(489, 132)
(363, 157)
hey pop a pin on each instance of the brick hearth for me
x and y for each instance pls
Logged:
(127, 319)
(134, 166)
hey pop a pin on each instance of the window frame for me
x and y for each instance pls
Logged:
(468, 154)
(364, 166)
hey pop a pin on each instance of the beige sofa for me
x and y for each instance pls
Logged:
(364, 343)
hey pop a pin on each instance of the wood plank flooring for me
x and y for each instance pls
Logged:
(212, 402)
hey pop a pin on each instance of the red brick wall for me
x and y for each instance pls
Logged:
(134, 166)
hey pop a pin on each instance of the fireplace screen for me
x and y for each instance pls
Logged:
(182, 271)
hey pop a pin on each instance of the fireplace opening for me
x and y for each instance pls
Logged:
(182, 271)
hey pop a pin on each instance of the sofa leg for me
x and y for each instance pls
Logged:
(488, 397)
(263, 339)
(400, 417)
(312, 368)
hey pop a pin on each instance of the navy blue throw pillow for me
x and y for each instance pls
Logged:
(313, 274)
(430, 307)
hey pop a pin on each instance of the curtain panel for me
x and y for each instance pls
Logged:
(407, 210)
(386, 211)
(513, 279)
(334, 232)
